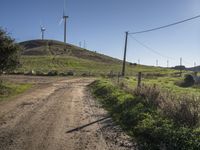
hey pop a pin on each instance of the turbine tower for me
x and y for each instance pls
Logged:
(64, 18)
(42, 31)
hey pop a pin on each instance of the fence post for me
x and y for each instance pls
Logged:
(139, 79)
(118, 75)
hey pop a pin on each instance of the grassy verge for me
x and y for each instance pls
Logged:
(8, 89)
(166, 83)
(140, 116)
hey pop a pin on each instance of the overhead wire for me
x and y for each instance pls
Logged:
(165, 26)
(151, 49)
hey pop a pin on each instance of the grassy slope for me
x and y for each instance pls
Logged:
(54, 55)
(80, 65)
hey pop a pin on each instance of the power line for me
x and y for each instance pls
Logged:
(165, 26)
(151, 49)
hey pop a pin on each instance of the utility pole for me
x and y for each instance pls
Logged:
(195, 64)
(138, 61)
(125, 48)
(181, 61)
(79, 44)
(65, 27)
(156, 62)
(84, 45)
(167, 63)
(181, 66)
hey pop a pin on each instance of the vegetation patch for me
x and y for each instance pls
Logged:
(146, 115)
(8, 89)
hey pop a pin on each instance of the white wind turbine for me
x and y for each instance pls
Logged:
(64, 18)
(42, 29)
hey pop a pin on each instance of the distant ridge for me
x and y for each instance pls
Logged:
(195, 69)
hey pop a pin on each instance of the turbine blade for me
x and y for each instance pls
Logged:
(61, 21)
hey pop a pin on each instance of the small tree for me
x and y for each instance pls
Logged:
(9, 52)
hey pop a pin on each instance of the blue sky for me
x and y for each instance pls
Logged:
(102, 23)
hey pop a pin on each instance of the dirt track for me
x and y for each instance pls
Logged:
(47, 118)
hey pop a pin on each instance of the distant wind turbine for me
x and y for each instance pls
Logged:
(42, 29)
(64, 18)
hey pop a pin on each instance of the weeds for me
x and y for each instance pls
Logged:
(157, 119)
(184, 110)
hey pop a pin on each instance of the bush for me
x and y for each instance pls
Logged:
(9, 52)
(187, 82)
(70, 73)
(86, 74)
(53, 73)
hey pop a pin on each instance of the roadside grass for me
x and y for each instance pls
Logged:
(8, 90)
(166, 83)
(139, 114)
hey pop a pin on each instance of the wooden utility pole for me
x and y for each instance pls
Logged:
(156, 62)
(138, 61)
(181, 66)
(167, 63)
(124, 61)
(118, 76)
(139, 79)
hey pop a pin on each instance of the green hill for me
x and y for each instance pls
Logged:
(44, 56)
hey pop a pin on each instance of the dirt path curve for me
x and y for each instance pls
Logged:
(44, 119)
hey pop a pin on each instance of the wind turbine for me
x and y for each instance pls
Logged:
(42, 28)
(64, 18)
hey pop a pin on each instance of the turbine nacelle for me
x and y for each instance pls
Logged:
(42, 29)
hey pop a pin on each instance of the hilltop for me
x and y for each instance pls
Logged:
(57, 48)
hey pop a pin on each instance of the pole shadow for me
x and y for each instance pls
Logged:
(86, 125)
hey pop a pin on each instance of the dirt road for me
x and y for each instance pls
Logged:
(49, 117)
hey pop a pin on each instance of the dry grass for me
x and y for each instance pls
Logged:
(184, 110)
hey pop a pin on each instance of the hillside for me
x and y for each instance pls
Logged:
(44, 56)
(57, 48)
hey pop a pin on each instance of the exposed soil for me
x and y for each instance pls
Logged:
(57, 114)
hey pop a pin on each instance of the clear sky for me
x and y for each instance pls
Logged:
(102, 23)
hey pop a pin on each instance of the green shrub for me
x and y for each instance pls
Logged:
(187, 82)
(70, 73)
(53, 73)
(9, 52)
